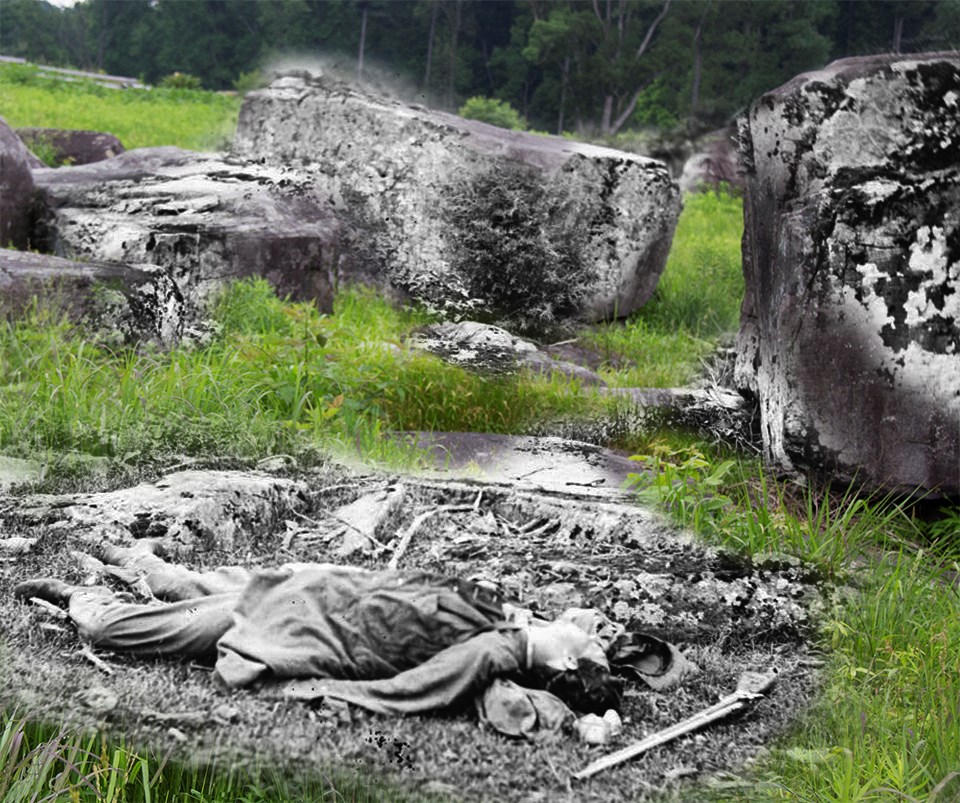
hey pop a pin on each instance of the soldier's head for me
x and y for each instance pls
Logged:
(571, 664)
(558, 646)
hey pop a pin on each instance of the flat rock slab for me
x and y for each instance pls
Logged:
(203, 219)
(491, 349)
(216, 509)
(548, 552)
(554, 465)
(436, 195)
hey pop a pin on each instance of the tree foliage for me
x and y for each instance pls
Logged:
(596, 66)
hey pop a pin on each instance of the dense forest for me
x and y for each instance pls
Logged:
(594, 66)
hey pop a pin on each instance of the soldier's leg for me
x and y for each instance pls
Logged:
(170, 581)
(188, 629)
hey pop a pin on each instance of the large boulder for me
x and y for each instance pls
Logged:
(203, 219)
(714, 165)
(71, 146)
(132, 301)
(456, 210)
(850, 328)
(16, 190)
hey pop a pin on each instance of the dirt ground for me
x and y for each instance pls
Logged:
(547, 551)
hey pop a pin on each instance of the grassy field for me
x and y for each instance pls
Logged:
(187, 119)
(280, 377)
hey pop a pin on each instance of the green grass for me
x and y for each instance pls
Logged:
(697, 300)
(278, 377)
(38, 763)
(188, 119)
(887, 724)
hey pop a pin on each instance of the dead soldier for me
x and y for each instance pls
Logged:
(392, 642)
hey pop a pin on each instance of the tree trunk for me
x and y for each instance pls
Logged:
(563, 94)
(433, 30)
(616, 125)
(363, 41)
(607, 114)
(454, 39)
(897, 33)
(697, 65)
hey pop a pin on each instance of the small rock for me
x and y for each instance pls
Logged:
(226, 714)
(276, 463)
(98, 699)
(178, 735)
(591, 729)
(16, 545)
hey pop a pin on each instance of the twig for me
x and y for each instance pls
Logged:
(476, 503)
(100, 664)
(415, 525)
(343, 522)
(553, 523)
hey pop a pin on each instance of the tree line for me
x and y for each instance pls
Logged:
(593, 66)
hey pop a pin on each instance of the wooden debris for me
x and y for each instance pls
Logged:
(99, 663)
(415, 525)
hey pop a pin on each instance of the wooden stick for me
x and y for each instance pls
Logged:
(750, 686)
(416, 524)
(100, 664)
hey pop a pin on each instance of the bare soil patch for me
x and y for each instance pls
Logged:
(549, 551)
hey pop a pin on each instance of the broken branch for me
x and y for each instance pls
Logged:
(415, 525)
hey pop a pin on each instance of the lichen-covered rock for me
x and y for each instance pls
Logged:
(850, 328)
(134, 302)
(203, 219)
(71, 146)
(486, 348)
(16, 190)
(715, 164)
(456, 210)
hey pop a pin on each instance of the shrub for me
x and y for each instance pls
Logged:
(493, 111)
(180, 80)
(517, 249)
(248, 81)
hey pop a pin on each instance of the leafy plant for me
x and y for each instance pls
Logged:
(180, 80)
(493, 111)
(249, 81)
(517, 248)
(687, 485)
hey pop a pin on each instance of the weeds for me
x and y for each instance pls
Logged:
(887, 724)
(279, 377)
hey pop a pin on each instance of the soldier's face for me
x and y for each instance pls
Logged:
(558, 646)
